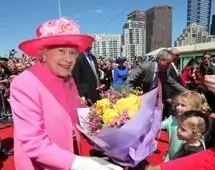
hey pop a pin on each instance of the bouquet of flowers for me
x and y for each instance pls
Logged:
(123, 126)
(113, 110)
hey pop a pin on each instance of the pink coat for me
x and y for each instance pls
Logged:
(44, 112)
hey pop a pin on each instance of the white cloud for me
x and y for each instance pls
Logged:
(99, 11)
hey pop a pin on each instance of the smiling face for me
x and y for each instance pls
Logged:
(60, 60)
(181, 107)
(189, 100)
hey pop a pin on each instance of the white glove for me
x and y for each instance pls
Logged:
(92, 163)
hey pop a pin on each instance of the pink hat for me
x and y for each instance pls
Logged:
(56, 32)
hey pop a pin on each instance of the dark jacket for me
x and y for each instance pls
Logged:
(85, 78)
(210, 137)
(173, 86)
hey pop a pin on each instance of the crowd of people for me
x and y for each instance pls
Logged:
(45, 96)
(9, 68)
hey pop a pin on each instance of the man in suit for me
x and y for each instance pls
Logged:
(146, 74)
(151, 69)
(86, 76)
(173, 86)
(173, 72)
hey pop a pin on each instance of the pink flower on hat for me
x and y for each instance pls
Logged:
(61, 26)
(66, 26)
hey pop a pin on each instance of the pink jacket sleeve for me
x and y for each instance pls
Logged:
(30, 130)
(204, 160)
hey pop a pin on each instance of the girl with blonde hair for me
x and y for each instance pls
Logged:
(192, 128)
(188, 100)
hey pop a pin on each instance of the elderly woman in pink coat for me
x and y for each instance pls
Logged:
(44, 100)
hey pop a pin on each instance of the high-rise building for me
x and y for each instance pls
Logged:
(199, 12)
(137, 16)
(133, 38)
(212, 32)
(106, 45)
(158, 27)
(194, 34)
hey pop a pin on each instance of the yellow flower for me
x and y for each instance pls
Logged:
(101, 106)
(109, 116)
(131, 104)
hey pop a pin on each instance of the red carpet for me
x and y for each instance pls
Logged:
(6, 134)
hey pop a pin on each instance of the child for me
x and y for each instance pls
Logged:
(192, 127)
(189, 100)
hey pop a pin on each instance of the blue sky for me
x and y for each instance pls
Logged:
(18, 21)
